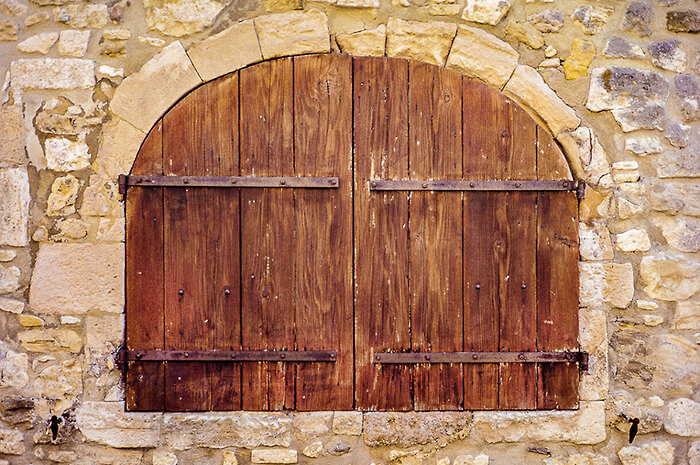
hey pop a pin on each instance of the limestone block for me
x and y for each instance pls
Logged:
(634, 240)
(38, 43)
(616, 47)
(175, 18)
(651, 453)
(594, 242)
(679, 164)
(11, 442)
(66, 155)
(71, 279)
(30, 321)
(273, 456)
(53, 73)
(688, 92)
(73, 43)
(11, 135)
(230, 49)
(107, 423)
(220, 430)
(412, 428)
(7, 255)
(311, 425)
(583, 426)
(481, 459)
(638, 18)
(293, 33)
(14, 368)
(348, 423)
(668, 55)
(669, 276)
(8, 30)
(547, 21)
(687, 315)
(619, 88)
(587, 157)
(82, 15)
(101, 198)
(593, 335)
(50, 340)
(119, 144)
(642, 146)
(313, 450)
(13, 8)
(592, 18)
(161, 457)
(694, 453)
(63, 380)
(486, 11)
(104, 332)
(145, 95)
(681, 233)
(528, 86)
(14, 207)
(611, 283)
(370, 42)
(683, 418)
(423, 41)
(683, 21)
(358, 3)
(477, 53)
(230, 458)
(526, 33)
(11, 305)
(64, 193)
(577, 63)
(588, 458)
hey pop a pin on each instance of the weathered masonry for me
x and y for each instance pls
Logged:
(334, 232)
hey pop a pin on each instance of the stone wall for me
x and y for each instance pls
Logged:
(616, 82)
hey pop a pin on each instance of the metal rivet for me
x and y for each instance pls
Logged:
(475, 357)
(332, 181)
(233, 355)
(523, 285)
(427, 357)
(565, 184)
(283, 182)
(227, 291)
(425, 185)
(377, 357)
(374, 184)
(333, 354)
(180, 292)
(478, 286)
(139, 355)
(471, 184)
(186, 181)
(521, 356)
(517, 184)
(234, 181)
(283, 356)
(186, 355)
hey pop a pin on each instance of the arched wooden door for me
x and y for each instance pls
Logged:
(327, 222)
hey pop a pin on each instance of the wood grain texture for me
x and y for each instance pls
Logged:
(144, 279)
(267, 219)
(557, 281)
(323, 223)
(435, 228)
(202, 254)
(382, 317)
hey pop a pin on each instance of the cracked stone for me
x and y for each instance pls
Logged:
(668, 55)
(669, 276)
(526, 33)
(681, 233)
(615, 47)
(547, 21)
(683, 21)
(592, 18)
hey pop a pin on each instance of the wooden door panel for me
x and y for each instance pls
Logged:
(323, 223)
(382, 317)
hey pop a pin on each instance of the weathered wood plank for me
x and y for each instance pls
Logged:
(267, 219)
(144, 279)
(381, 237)
(435, 228)
(323, 219)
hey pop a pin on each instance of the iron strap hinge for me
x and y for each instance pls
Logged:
(313, 182)
(483, 357)
(126, 355)
(476, 185)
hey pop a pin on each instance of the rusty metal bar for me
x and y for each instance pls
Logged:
(126, 181)
(475, 185)
(126, 355)
(483, 357)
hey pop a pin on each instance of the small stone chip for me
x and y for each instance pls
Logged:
(274, 456)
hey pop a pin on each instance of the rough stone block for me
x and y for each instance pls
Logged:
(274, 456)
(72, 279)
(53, 73)
(119, 144)
(634, 240)
(583, 426)
(145, 95)
(611, 283)
(670, 276)
(51, 340)
(293, 33)
(423, 41)
(220, 430)
(594, 242)
(14, 207)
(681, 233)
(229, 50)
(412, 428)
(11, 442)
(587, 157)
(651, 453)
(174, 18)
(486, 11)
(11, 135)
(370, 42)
(14, 367)
(687, 315)
(348, 423)
(477, 53)
(107, 423)
(683, 418)
(528, 86)
(620, 88)
(308, 426)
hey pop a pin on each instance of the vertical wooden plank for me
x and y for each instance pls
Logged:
(267, 219)
(557, 279)
(144, 278)
(382, 318)
(323, 222)
(500, 313)
(435, 228)
(200, 137)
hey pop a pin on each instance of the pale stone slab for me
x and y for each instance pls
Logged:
(11, 136)
(50, 340)
(175, 18)
(82, 15)
(477, 53)
(310, 425)
(182, 431)
(583, 426)
(64, 154)
(38, 43)
(617, 87)
(107, 423)
(371, 42)
(274, 456)
(587, 458)
(651, 453)
(687, 315)
(119, 144)
(145, 95)
(412, 428)
(594, 242)
(71, 279)
(293, 33)
(64, 193)
(11, 442)
(229, 50)
(634, 240)
(14, 367)
(73, 43)
(527, 85)
(611, 283)
(486, 11)
(14, 206)
(683, 418)
(670, 276)
(161, 457)
(11, 305)
(423, 41)
(9, 279)
(348, 423)
(53, 73)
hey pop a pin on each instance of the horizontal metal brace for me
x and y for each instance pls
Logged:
(126, 181)
(227, 356)
(476, 185)
(483, 357)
